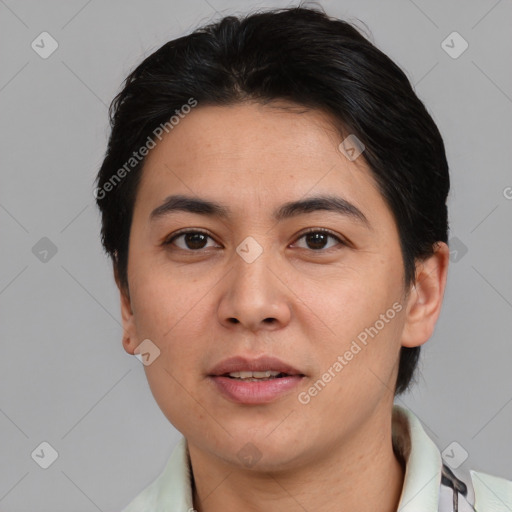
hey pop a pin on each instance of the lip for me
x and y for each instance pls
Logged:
(254, 393)
(263, 392)
(238, 364)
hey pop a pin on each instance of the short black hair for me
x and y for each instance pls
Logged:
(306, 57)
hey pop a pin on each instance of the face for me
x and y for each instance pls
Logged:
(318, 288)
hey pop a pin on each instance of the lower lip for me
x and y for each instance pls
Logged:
(255, 392)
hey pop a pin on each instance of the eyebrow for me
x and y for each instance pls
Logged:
(176, 203)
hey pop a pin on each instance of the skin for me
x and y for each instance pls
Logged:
(302, 304)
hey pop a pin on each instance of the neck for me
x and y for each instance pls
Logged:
(362, 473)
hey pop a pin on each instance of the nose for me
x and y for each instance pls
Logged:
(254, 296)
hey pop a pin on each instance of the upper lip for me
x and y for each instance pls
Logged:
(238, 364)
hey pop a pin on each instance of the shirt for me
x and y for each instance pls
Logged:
(430, 485)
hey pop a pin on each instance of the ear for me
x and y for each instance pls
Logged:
(129, 330)
(426, 297)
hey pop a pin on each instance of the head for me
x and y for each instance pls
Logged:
(248, 117)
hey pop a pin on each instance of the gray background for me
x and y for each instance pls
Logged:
(65, 378)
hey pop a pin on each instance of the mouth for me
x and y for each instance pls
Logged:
(261, 368)
(248, 376)
(254, 381)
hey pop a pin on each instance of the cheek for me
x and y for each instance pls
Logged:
(359, 314)
(161, 302)
(172, 314)
(344, 303)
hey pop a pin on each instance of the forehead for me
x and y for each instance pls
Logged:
(247, 130)
(256, 153)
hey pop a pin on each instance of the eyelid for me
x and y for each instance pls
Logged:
(333, 234)
(168, 240)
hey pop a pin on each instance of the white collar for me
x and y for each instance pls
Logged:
(420, 493)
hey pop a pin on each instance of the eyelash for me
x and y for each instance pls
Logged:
(325, 231)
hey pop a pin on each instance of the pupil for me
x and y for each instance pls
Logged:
(193, 240)
(317, 238)
(197, 240)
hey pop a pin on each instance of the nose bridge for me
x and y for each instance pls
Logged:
(255, 296)
(252, 263)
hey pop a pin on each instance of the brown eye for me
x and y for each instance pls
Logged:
(318, 239)
(189, 240)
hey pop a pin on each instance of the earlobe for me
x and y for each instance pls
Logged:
(129, 331)
(426, 297)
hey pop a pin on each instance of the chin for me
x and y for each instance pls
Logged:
(261, 454)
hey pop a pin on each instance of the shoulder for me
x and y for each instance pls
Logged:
(431, 482)
(492, 493)
(474, 491)
(147, 499)
(171, 490)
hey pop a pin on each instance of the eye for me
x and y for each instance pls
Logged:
(189, 240)
(317, 239)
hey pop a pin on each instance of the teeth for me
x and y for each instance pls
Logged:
(254, 375)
